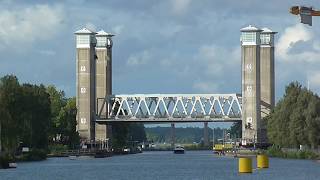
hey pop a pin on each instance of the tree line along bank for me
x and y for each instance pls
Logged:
(43, 119)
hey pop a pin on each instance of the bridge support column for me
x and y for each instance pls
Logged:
(267, 78)
(94, 80)
(173, 135)
(257, 49)
(205, 134)
(250, 58)
(85, 80)
(103, 78)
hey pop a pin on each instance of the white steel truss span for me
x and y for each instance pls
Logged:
(169, 108)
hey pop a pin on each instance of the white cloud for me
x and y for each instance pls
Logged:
(170, 30)
(166, 62)
(139, 58)
(314, 80)
(180, 6)
(297, 56)
(290, 37)
(47, 52)
(91, 26)
(205, 87)
(118, 29)
(218, 60)
(26, 25)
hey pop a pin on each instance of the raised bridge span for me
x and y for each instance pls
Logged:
(169, 108)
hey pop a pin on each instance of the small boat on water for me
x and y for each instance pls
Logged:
(178, 150)
(72, 157)
(12, 165)
(126, 150)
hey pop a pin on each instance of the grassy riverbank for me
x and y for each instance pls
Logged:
(33, 155)
(4, 161)
(168, 147)
(274, 151)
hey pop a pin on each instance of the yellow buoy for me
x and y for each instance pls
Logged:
(262, 161)
(245, 165)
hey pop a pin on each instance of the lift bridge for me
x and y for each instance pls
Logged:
(97, 106)
(149, 108)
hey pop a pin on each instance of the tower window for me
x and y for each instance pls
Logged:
(83, 120)
(265, 38)
(83, 68)
(249, 67)
(101, 41)
(249, 119)
(248, 37)
(83, 39)
(83, 90)
(249, 89)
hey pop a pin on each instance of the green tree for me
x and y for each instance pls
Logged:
(296, 118)
(236, 130)
(136, 132)
(58, 101)
(67, 123)
(10, 112)
(37, 115)
(119, 134)
(312, 114)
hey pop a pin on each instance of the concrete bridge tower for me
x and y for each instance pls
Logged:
(85, 83)
(103, 78)
(250, 65)
(267, 76)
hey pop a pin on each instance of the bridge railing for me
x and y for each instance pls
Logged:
(169, 107)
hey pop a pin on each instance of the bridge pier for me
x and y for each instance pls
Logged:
(205, 134)
(173, 135)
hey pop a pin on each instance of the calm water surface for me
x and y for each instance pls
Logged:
(160, 165)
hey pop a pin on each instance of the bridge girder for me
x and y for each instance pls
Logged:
(150, 108)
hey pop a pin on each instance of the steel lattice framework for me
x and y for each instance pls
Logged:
(169, 108)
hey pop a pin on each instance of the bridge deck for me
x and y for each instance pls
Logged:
(167, 120)
(169, 108)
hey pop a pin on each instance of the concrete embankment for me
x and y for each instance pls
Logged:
(82, 152)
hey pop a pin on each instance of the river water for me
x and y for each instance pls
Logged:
(193, 165)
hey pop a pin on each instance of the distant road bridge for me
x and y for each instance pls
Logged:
(169, 108)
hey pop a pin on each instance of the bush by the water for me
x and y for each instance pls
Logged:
(57, 148)
(34, 155)
(275, 151)
(197, 147)
(4, 160)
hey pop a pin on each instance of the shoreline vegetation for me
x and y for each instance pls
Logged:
(274, 151)
(294, 123)
(42, 119)
(188, 148)
(283, 153)
(33, 155)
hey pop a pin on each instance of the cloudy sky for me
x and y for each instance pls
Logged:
(167, 46)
